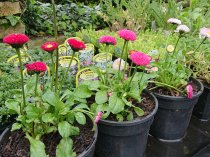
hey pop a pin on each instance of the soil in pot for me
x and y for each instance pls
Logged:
(202, 108)
(174, 112)
(128, 138)
(18, 145)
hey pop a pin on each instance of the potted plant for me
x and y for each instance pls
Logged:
(126, 109)
(176, 91)
(199, 62)
(45, 114)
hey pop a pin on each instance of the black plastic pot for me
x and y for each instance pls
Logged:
(124, 139)
(173, 115)
(202, 108)
(87, 153)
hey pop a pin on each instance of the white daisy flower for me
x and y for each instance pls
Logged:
(174, 21)
(182, 29)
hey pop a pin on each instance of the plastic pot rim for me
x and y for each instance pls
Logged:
(181, 98)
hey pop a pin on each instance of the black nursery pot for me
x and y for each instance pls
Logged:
(124, 139)
(173, 115)
(89, 152)
(202, 108)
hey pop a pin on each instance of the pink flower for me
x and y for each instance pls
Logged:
(49, 46)
(140, 58)
(205, 32)
(110, 40)
(109, 94)
(98, 117)
(127, 34)
(16, 40)
(76, 45)
(36, 67)
(189, 89)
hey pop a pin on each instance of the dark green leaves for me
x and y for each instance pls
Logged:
(116, 105)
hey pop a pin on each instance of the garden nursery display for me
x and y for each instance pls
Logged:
(103, 79)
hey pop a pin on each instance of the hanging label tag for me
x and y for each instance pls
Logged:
(62, 50)
(100, 60)
(86, 56)
(84, 75)
(75, 65)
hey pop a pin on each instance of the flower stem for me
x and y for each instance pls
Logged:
(121, 56)
(126, 59)
(22, 81)
(106, 80)
(130, 69)
(53, 71)
(131, 79)
(56, 39)
(37, 79)
(67, 71)
(200, 44)
(180, 36)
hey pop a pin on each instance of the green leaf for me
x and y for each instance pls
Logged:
(82, 91)
(54, 100)
(13, 105)
(119, 117)
(37, 148)
(65, 148)
(101, 97)
(74, 131)
(48, 118)
(130, 116)
(16, 126)
(126, 102)
(50, 129)
(80, 117)
(13, 19)
(70, 117)
(139, 111)
(82, 106)
(116, 105)
(64, 129)
(33, 112)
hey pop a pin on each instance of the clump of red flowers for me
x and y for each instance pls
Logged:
(36, 68)
(109, 40)
(127, 34)
(16, 40)
(49, 46)
(76, 45)
(140, 58)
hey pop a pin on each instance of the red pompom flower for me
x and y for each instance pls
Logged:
(76, 45)
(140, 58)
(16, 40)
(49, 46)
(189, 89)
(109, 40)
(36, 67)
(127, 34)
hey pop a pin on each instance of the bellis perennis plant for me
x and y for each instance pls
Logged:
(173, 75)
(118, 90)
(42, 111)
